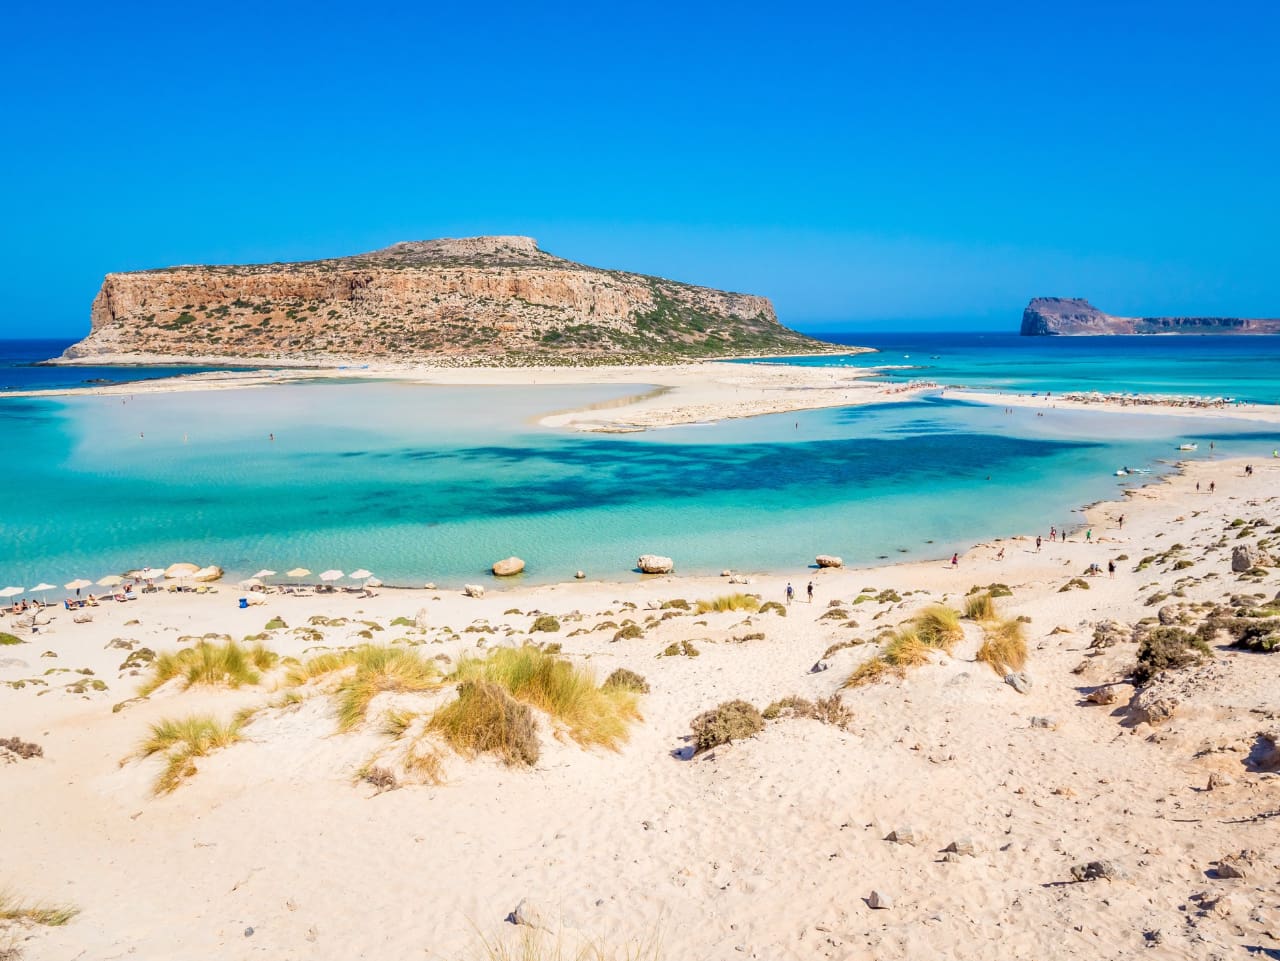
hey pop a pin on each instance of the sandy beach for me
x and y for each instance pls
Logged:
(768, 847)
(666, 395)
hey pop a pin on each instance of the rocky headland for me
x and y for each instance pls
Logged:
(477, 300)
(1075, 316)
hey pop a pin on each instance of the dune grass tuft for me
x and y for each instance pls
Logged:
(939, 626)
(591, 714)
(1005, 646)
(13, 908)
(207, 662)
(729, 602)
(935, 628)
(183, 740)
(484, 718)
(379, 670)
(980, 607)
(534, 945)
(9, 639)
(627, 680)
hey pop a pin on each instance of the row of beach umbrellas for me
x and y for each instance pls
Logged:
(184, 571)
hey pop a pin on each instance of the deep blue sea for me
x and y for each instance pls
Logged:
(18, 371)
(435, 483)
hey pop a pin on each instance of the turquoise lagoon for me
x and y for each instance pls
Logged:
(435, 483)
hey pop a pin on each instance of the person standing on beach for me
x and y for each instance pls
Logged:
(791, 592)
(1037, 543)
(1053, 533)
(1122, 522)
(810, 592)
(1111, 568)
(955, 560)
(1088, 536)
(1213, 486)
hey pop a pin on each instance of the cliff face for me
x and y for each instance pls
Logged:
(1074, 316)
(479, 299)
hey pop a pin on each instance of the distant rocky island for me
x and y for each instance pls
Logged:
(498, 300)
(1075, 317)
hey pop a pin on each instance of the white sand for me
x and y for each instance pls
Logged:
(762, 849)
(665, 395)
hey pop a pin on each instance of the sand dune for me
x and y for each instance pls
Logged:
(767, 847)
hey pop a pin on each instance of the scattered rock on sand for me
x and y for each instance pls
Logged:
(1102, 695)
(819, 667)
(1244, 557)
(655, 564)
(903, 836)
(1109, 634)
(961, 846)
(1047, 723)
(829, 560)
(1269, 756)
(473, 590)
(1019, 681)
(1217, 780)
(1237, 865)
(880, 901)
(1097, 870)
(1154, 706)
(508, 567)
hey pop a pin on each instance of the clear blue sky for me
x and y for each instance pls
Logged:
(870, 164)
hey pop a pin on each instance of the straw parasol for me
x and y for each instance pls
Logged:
(183, 570)
(77, 584)
(297, 573)
(111, 580)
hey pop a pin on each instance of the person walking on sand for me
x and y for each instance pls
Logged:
(1037, 543)
(955, 560)
(810, 589)
(1053, 533)
(1111, 568)
(1122, 522)
(791, 592)
(1000, 556)
(1088, 536)
(1213, 486)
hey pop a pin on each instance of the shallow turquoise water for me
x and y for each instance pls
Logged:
(418, 483)
(1245, 367)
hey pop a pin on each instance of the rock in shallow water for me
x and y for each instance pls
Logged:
(655, 564)
(508, 567)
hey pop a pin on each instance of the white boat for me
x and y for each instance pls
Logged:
(1188, 447)
(1122, 472)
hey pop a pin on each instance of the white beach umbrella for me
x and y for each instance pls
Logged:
(360, 575)
(328, 576)
(77, 584)
(111, 580)
(266, 573)
(12, 591)
(42, 587)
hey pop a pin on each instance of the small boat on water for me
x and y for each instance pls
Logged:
(1188, 447)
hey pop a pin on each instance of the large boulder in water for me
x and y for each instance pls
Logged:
(508, 567)
(829, 560)
(655, 564)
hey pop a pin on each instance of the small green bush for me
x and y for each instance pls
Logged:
(1168, 648)
(677, 603)
(275, 624)
(729, 721)
(627, 680)
(774, 606)
(547, 623)
(628, 633)
(7, 639)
